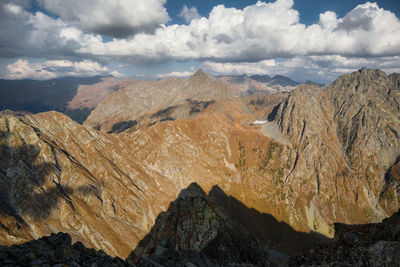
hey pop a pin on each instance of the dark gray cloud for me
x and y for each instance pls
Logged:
(12, 30)
(23, 34)
(117, 18)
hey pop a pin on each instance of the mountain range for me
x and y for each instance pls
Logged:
(78, 96)
(74, 96)
(176, 169)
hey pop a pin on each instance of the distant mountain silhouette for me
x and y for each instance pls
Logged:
(261, 78)
(283, 81)
(36, 96)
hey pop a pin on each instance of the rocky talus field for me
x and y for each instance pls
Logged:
(175, 171)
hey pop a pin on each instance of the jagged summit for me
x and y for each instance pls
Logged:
(366, 69)
(198, 76)
(194, 190)
(199, 73)
(366, 79)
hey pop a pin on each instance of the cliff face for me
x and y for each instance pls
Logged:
(344, 139)
(367, 111)
(318, 160)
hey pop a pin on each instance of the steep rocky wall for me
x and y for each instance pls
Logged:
(344, 139)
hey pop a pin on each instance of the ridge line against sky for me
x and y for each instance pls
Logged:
(302, 39)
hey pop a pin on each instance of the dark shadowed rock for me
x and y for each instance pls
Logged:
(358, 245)
(55, 250)
(197, 230)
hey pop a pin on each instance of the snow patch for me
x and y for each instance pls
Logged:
(272, 130)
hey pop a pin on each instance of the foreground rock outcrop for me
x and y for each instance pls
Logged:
(197, 230)
(358, 245)
(55, 250)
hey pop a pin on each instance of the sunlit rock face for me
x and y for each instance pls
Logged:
(344, 139)
(327, 155)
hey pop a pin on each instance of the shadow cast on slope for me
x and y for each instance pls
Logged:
(24, 182)
(218, 229)
(40, 96)
(276, 235)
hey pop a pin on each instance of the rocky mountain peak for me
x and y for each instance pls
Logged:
(283, 80)
(199, 74)
(261, 78)
(367, 103)
(194, 190)
(355, 122)
(368, 72)
(367, 82)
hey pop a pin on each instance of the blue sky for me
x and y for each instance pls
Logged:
(309, 9)
(152, 39)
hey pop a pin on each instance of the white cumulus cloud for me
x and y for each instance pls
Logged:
(260, 67)
(263, 31)
(22, 69)
(189, 14)
(174, 74)
(323, 68)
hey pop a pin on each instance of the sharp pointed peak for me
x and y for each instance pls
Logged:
(193, 190)
(199, 72)
(199, 75)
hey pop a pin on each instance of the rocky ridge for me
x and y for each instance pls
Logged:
(261, 84)
(147, 97)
